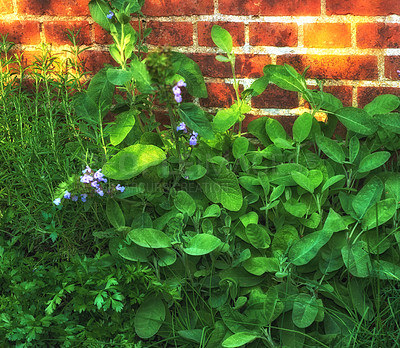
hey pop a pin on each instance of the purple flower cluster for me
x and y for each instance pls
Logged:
(91, 180)
(177, 91)
(110, 14)
(193, 136)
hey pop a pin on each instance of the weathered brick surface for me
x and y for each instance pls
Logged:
(363, 7)
(178, 8)
(367, 94)
(56, 32)
(53, 7)
(392, 64)
(378, 35)
(101, 36)
(6, 6)
(21, 32)
(95, 60)
(327, 35)
(273, 34)
(274, 97)
(219, 95)
(171, 34)
(271, 7)
(334, 67)
(235, 29)
(247, 65)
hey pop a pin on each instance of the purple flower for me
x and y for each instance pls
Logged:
(120, 188)
(57, 201)
(74, 198)
(98, 174)
(195, 134)
(83, 197)
(87, 170)
(110, 14)
(86, 179)
(178, 98)
(181, 83)
(100, 192)
(181, 127)
(95, 184)
(398, 73)
(193, 141)
(67, 195)
(176, 90)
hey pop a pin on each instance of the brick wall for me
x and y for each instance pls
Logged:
(354, 45)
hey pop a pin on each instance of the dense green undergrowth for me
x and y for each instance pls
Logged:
(195, 233)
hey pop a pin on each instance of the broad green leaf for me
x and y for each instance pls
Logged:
(373, 161)
(305, 310)
(312, 221)
(220, 185)
(382, 104)
(292, 336)
(276, 192)
(357, 260)
(101, 91)
(258, 236)
(123, 125)
(354, 148)
(212, 211)
(369, 194)
(258, 129)
(306, 248)
(302, 127)
(377, 242)
(196, 119)
(259, 86)
(166, 257)
(193, 335)
(202, 244)
(260, 265)
(99, 10)
(275, 130)
(250, 218)
(390, 122)
(222, 59)
(331, 148)
(356, 120)
(284, 237)
(185, 203)
(284, 79)
(115, 214)
(222, 38)
(326, 101)
(331, 259)
(191, 72)
(298, 209)
(282, 173)
(149, 238)
(118, 77)
(332, 181)
(133, 160)
(86, 108)
(240, 147)
(273, 306)
(392, 186)
(141, 76)
(134, 253)
(379, 213)
(334, 222)
(239, 339)
(194, 172)
(225, 119)
(386, 270)
(149, 317)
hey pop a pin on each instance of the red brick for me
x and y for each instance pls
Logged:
(27, 58)
(247, 65)
(270, 7)
(219, 95)
(363, 7)
(368, 94)
(6, 6)
(343, 93)
(327, 35)
(378, 35)
(275, 98)
(235, 29)
(251, 65)
(94, 61)
(170, 33)
(392, 64)
(334, 67)
(101, 36)
(54, 7)
(273, 34)
(178, 7)
(21, 32)
(57, 32)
